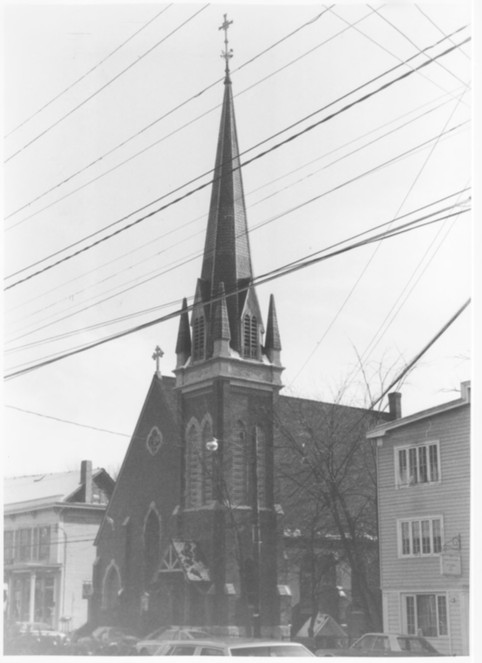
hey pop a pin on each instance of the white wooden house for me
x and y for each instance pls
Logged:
(50, 522)
(423, 466)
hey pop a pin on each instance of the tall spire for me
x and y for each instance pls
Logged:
(227, 255)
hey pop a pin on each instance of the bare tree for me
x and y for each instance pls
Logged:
(327, 486)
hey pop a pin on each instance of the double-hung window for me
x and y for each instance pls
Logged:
(425, 614)
(420, 536)
(417, 464)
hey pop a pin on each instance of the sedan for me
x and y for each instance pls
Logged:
(231, 647)
(385, 644)
(148, 645)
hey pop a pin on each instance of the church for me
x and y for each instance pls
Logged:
(194, 531)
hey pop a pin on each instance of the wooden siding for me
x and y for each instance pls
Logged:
(79, 551)
(449, 498)
(454, 644)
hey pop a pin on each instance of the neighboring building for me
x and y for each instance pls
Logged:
(424, 523)
(193, 533)
(50, 522)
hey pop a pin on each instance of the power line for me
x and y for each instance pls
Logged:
(151, 309)
(252, 159)
(154, 122)
(66, 421)
(81, 78)
(103, 87)
(375, 251)
(198, 117)
(439, 29)
(157, 253)
(263, 223)
(387, 50)
(248, 195)
(405, 36)
(284, 270)
(422, 352)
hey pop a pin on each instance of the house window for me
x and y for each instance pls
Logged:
(198, 338)
(250, 336)
(419, 537)
(426, 614)
(152, 546)
(44, 543)
(24, 545)
(418, 464)
(9, 546)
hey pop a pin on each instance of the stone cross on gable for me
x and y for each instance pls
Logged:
(158, 353)
(228, 52)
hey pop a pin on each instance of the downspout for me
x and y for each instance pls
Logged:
(64, 567)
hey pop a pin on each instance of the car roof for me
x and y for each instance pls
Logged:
(231, 642)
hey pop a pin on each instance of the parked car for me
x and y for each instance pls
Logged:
(231, 647)
(151, 642)
(39, 629)
(33, 638)
(384, 644)
(107, 641)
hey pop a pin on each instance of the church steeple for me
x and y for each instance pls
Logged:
(226, 265)
(227, 256)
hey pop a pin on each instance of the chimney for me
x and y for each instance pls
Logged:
(86, 479)
(395, 405)
(465, 391)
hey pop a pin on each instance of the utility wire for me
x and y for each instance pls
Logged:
(259, 201)
(154, 122)
(422, 352)
(190, 122)
(439, 29)
(66, 421)
(144, 311)
(387, 50)
(248, 195)
(103, 87)
(405, 36)
(261, 280)
(81, 78)
(375, 251)
(251, 160)
(195, 255)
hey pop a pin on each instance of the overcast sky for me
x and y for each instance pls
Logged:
(101, 122)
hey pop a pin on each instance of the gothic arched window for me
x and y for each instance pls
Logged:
(261, 465)
(239, 467)
(250, 336)
(111, 588)
(152, 545)
(194, 459)
(198, 338)
(207, 461)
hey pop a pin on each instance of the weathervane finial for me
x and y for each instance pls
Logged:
(228, 52)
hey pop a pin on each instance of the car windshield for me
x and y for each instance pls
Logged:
(270, 650)
(366, 643)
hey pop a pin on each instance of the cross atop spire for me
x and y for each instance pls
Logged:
(228, 52)
(158, 353)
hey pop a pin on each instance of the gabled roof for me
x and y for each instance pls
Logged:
(53, 487)
(383, 429)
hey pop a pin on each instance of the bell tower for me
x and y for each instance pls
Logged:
(228, 376)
